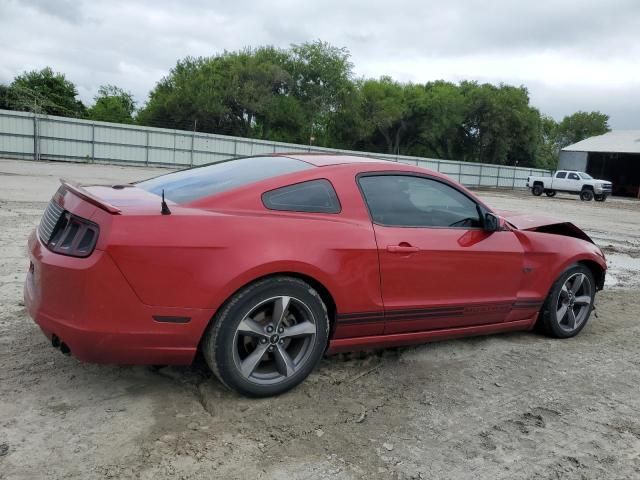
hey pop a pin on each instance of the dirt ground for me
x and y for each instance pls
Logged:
(512, 406)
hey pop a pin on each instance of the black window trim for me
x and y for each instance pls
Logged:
(481, 208)
(564, 175)
(336, 212)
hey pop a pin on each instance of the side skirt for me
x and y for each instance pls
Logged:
(400, 339)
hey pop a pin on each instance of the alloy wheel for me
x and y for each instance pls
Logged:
(274, 340)
(574, 302)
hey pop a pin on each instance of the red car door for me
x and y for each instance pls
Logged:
(439, 268)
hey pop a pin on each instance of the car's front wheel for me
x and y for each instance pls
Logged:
(268, 337)
(569, 304)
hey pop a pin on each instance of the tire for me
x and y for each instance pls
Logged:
(586, 195)
(537, 190)
(600, 198)
(257, 357)
(564, 298)
(550, 193)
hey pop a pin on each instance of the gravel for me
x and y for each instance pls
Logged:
(511, 406)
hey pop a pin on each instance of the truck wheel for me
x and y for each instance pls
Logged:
(600, 198)
(537, 190)
(550, 193)
(586, 195)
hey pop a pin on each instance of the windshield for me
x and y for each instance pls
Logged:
(196, 183)
(585, 176)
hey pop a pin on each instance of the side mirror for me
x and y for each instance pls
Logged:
(492, 223)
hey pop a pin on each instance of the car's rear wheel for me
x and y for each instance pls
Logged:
(537, 190)
(550, 193)
(569, 304)
(268, 337)
(586, 195)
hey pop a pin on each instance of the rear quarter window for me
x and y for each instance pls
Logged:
(314, 196)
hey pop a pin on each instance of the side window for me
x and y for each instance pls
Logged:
(561, 174)
(315, 196)
(411, 201)
(574, 176)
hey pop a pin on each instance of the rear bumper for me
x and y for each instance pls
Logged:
(88, 304)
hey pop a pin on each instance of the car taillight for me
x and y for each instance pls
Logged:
(73, 236)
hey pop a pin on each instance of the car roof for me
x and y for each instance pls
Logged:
(327, 159)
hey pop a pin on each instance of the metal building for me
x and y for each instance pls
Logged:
(614, 156)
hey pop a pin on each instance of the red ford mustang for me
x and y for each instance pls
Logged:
(266, 263)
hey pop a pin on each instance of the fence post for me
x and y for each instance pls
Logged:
(35, 136)
(146, 149)
(480, 177)
(193, 138)
(498, 178)
(93, 143)
(175, 135)
(513, 184)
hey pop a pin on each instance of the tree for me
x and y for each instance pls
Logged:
(548, 146)
(240, 93)
(385, 106)
(321, 80)
(112, 104)
(581, 125)
(46, 91)
(4, 98)
(499, 126)
(442, 109)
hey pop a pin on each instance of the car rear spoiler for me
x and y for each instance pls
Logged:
(84, 194)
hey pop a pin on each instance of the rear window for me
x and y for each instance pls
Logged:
(193, 184)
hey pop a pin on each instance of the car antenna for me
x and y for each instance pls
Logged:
(165, 208)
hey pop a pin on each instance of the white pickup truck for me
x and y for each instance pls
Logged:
(570, 181)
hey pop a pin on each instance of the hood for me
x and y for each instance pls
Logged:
(543, 224)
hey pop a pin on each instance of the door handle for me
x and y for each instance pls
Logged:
(402, 248)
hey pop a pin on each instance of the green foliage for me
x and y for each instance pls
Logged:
(112, 104)
(288, 95)
(548, 145)
(308, 94)
(45, 91)
(481, 123)
(554, 136)
(4, 97)
(581, 125)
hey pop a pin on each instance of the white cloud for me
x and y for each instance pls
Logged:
(571, 54)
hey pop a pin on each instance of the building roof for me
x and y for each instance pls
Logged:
(618, 141)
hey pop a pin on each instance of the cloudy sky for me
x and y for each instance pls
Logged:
(571, 54)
